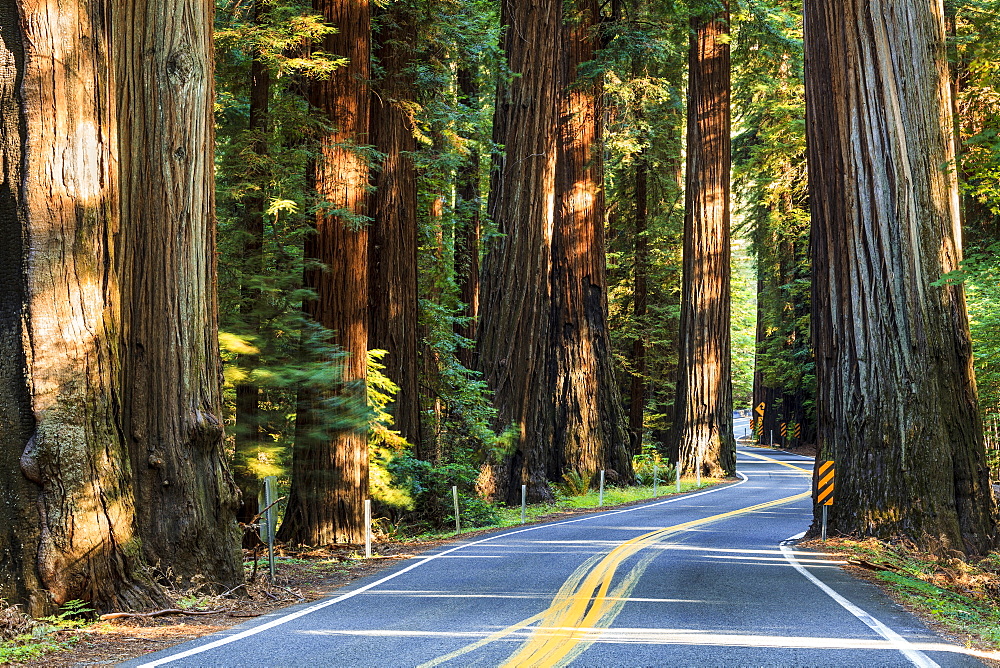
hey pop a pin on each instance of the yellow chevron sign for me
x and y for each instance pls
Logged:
(824, 484)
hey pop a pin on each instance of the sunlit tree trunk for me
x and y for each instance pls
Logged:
(897, 405)
(330, 470)
(69, 517)
(586, 419)
(514, 293)
(392, 241)
(703, 419)
(172, 375)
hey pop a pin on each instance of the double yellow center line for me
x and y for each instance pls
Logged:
(586, 601)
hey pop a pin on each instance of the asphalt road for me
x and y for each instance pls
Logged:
(697, 580)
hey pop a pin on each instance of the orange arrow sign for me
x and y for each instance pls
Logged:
(760, 408)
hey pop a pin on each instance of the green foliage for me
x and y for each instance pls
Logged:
(574, 484)
(266, 209)
(644, 468)
(643, 65)
(429, 487)
(24, 639)
(959, 595)
(769, 155)
(72, 614)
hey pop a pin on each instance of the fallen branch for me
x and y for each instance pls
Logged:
(159, 613)
(864, 563)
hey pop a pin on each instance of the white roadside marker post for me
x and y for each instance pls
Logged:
(524, 502)
(600, 496)
(269, 520)
(678, 472)
(368, 528)
(654, 480)
(454, 494)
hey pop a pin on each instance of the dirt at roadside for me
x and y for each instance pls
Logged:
(304, 575)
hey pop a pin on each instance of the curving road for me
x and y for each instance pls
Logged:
(701, 579)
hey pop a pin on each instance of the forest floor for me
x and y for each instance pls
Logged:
(958, 597)
(301, 576)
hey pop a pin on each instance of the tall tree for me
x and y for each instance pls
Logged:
(586, 419)
(172, 376)
(514, 292)
(468, 228)
(69, 516)
(897, 404)
(330, 464)
(392, 241)
(703, 419)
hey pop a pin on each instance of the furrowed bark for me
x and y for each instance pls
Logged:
(897, 404)
(70, 519)
(514, 292)
(330, 470)
(468, 228)
(392, 240)
(586, 421)
(172, 371)
(703, 422)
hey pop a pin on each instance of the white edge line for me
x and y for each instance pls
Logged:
(319, 606)
(916, 657)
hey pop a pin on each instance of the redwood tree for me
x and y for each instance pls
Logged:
(703, 419)
(172, 377)
(330, 464)
(514, 292)
(586, 419)
(468, 227)
(392, 239)
(69, 515)
(897, 404)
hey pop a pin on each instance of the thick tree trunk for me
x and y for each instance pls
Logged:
(514, 293)
(69, 516)
(897, 405)
(468, 228)
(586, 422)
(392, 241)
(248, 418)
(330, 466)
(172, 376)
(703, 418)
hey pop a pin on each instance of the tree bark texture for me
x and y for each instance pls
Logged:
(703, 419)
(897, 404)
(468, 227)
(586, 422)
(392, 240)
(172, 370)
(330, 471)
(514, 292)
(69, 515)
